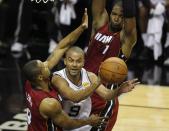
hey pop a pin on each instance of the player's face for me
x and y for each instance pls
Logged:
(45, 72)
(116, 19)
(74, 62)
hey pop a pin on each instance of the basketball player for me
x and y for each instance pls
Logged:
(74, 78)
(113, 35)
(44, 108)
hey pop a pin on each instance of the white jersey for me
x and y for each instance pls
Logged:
(79, 110)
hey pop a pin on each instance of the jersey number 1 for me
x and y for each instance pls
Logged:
(106, 49)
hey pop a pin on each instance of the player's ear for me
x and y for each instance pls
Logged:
(83, 64)
(65, 60)
(40, 77)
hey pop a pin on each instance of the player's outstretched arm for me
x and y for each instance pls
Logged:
(63, 87)
(128, 34)
(106, 93)
(99, 14)
(66, 42)
(51, 108)
(125, 87)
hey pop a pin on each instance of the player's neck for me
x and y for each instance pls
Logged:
(43, 86)
(113, 30)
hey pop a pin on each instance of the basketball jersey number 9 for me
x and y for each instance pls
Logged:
(28, 116)
(74, 110)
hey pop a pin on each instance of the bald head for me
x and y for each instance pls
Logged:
(75, 49)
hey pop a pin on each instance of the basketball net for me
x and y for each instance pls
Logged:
(44, 1)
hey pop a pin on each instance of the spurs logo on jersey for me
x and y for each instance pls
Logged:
(105, 39)
(79, 110)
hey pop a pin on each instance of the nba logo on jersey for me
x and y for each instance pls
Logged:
(103, 38)
(85, 84)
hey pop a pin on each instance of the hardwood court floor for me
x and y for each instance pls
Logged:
(146, 108)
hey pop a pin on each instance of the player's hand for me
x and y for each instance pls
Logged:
(85, 19)
(95, 120)
(128, 86)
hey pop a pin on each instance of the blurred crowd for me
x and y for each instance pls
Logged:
(32, 30)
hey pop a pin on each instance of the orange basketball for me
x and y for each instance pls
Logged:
(113, 70)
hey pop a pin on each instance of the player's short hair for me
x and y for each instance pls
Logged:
(117, 3)
(74, 49)
(112, 5)
(31, 70)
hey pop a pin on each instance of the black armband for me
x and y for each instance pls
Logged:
(122, 56)
(129, 8)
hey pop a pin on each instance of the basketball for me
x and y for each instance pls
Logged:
(113, 70)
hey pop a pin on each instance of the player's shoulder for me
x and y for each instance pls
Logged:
(91, 74)
(49, 106)
(57, 76)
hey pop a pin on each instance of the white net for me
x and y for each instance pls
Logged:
(44, 1)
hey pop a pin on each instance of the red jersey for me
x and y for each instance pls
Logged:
(33, 99)
(104, 44)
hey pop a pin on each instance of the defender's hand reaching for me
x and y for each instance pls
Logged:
(96, 120)
(127, 86)
(85, 19)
